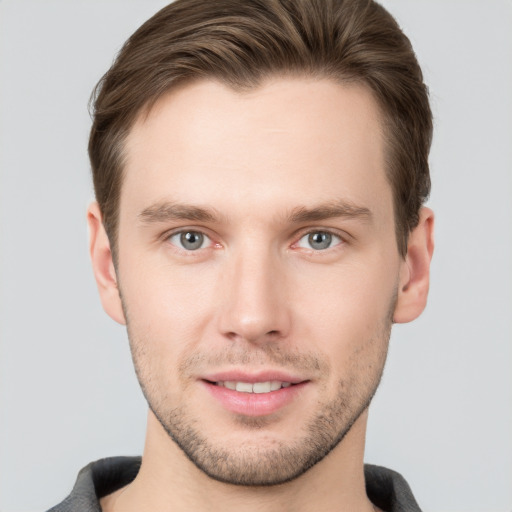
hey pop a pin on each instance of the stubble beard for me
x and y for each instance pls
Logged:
(253, 465)
(275, 465)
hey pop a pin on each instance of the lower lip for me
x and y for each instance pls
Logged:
(254, 404)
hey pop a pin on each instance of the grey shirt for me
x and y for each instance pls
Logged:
(386, 489)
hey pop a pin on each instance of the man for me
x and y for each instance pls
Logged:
(260, 169)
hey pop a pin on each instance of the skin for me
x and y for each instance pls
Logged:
(258, 295)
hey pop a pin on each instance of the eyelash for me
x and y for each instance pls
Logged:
(169, 235)
(335, 234)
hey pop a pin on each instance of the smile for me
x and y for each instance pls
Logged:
(257, 398)
(254, 387)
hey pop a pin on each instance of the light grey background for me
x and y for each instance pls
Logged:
(68, 395)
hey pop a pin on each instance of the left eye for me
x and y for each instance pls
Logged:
(319, 240)
(189, 240)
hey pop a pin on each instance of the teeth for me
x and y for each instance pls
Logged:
(261, 387)
(244, 387)
(257, 387)
(275, 385)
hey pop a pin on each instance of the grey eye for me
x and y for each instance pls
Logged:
(319, 240)
(189, 240)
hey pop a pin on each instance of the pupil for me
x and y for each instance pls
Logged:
(320, 240)
(192, 240)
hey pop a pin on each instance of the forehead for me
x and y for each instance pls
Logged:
(293, 142)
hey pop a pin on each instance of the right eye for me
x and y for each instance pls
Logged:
(189, 240)
(319, 240)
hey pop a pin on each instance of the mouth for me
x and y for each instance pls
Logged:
(253, 395)
(253, 387)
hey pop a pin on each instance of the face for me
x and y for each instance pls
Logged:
(258, 269)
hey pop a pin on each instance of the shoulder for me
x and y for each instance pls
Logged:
(96, 480)
(389, 490)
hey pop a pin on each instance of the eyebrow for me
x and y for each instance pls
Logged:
(330, 210)
(167, 211)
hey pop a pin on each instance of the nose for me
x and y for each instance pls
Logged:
(254, 298)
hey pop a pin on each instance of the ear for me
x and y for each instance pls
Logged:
(415, 270)
(103, 265)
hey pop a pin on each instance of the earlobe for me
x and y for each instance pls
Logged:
(415, 272)
(103, 265)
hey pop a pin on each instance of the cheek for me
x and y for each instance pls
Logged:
(167, 310)
(347, 302)
(165, 295)
(349, 324)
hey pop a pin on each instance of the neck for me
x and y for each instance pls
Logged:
(168, 480)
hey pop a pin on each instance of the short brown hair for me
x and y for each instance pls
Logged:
(242, 42)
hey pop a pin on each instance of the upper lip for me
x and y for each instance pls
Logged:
(252, 377)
